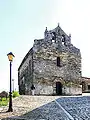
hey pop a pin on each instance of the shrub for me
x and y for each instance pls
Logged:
(3, 94)
(4, 103)
(15, 94)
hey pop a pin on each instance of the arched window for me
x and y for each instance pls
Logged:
(53, 36)
(63, 40)
(58, 61)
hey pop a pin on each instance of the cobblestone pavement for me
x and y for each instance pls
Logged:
(49, 108)
(77, 107)
(24, 104)
(50, 111)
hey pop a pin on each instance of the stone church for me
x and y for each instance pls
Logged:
(52, 66)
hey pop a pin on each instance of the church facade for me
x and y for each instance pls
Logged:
(52, 66)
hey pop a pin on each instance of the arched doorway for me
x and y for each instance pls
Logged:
(58, 88)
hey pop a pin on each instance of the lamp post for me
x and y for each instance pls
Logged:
(13, 84)
(10, 57)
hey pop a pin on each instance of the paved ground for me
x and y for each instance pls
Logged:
(24, 104)
(77, 107)
(49, 108)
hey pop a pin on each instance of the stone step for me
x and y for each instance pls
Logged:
(14, 118)
(18, 118)
(36, 98)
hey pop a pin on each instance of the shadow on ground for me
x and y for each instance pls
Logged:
(50, 111)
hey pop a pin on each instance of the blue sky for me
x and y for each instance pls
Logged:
(22, 21)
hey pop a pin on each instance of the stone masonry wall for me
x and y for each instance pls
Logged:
(25, 74)
(46, 71)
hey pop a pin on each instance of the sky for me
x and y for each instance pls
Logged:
(22, 21)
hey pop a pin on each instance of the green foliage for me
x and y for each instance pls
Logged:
(4, 102)
(15, 94)
(4, 99)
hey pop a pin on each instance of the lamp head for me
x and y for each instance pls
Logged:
(10, 56)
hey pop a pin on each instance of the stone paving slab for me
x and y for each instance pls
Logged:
(24, 104)
(50, 111)
(77, 107)
(50, 108)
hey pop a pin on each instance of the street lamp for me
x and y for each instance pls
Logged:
(13, 84)
(10, 57)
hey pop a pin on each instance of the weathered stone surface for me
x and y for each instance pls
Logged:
(77, 107)
(42, 68)
(48, 108)
(24, 104)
